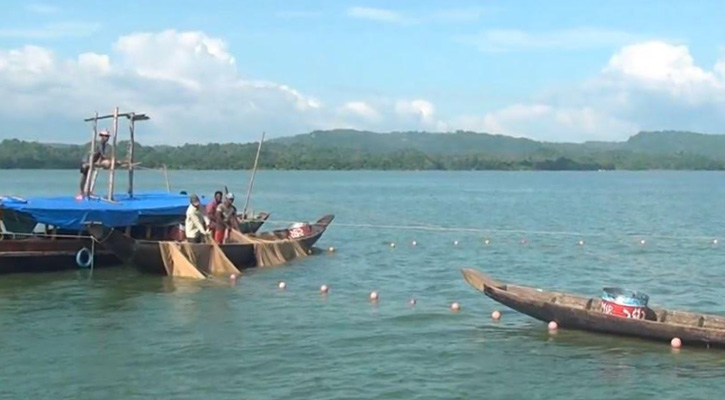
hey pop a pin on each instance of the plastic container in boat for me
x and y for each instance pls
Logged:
(624, 303)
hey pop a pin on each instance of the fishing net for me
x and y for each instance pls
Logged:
(209, 258)
(272, 251)
(176, 262)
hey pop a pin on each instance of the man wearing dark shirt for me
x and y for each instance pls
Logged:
(226, 218)
(99, 158)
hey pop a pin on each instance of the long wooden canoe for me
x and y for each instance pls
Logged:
(583, 313)
(145, 255)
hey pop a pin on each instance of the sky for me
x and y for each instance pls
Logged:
(226, 71)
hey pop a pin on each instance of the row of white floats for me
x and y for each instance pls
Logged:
(374, 297)
(523, 241)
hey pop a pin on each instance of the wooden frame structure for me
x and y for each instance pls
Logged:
(90, 183)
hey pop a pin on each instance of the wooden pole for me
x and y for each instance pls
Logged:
(89, 177)
(131, 145)
(166, 176)
(251, 181)
(113, 155)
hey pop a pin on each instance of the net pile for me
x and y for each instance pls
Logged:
(270, 252)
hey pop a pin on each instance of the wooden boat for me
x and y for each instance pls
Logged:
(575, 312)
(145, 255)
(57, 250)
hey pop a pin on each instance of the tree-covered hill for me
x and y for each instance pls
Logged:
(350, 149)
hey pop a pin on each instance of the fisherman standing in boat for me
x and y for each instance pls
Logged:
(226, 218)
(211, 211)
(99, 158)
(195, 228)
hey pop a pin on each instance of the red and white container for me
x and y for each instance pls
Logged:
(624, 303)
(299, 229)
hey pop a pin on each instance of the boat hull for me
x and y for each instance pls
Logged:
(576, 312)
(45, 253)
(146, 255)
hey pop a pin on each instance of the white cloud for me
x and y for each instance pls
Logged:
(193, 89)
(52, 31)
(360, 109)
(650, 85)
(545, 122)
(453, 15)
(187, 82)
(502, 40)
(39, 8)
(376, 14)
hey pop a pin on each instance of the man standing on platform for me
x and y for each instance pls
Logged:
(99, 159)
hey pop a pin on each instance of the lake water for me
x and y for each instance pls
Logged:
(121, 335)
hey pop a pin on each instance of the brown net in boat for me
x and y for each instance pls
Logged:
(269, 252)
(176, 262)
(209, 258)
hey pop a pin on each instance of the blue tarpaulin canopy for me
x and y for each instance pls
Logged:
(70, 213)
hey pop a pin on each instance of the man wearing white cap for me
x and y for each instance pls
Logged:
(99, 158)
(226, 215)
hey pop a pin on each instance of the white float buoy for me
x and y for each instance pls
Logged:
(455, 242)
(714, 241)
(486, 241)
(331, 249)
(642, 242)
(455, 306)
(374, 296)
(553, 326)
(392, 244)
(496, 315)
(523, 241)
(581, 243)
(282, 285)
(232, 277)
(324, 289)
(412, 302)
(414, 243)
(676, 343)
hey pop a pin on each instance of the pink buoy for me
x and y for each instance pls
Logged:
(374, 296)
(496, 315)
(324, 289)
(553, 326)
(676, 343)
(455, 306)
(232, 277)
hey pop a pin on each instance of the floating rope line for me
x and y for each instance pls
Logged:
(507, 231)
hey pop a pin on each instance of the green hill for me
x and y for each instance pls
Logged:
(350, 149)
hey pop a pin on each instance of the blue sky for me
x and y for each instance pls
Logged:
(225, 71)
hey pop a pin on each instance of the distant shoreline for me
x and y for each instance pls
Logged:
(349, 150)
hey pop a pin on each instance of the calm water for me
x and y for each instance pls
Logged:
(121, 335)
